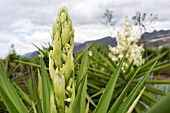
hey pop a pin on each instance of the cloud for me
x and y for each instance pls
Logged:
(37, 12)
(24, 22)
(22, 25)
(23, 42)
(90, 32)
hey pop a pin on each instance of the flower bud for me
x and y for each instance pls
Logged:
(51, 66)
(69, 65)
(63, 17)
(68, 100)
(69, 22)
(54, 30)
(59, 89)
(65, 36)
(57, 53)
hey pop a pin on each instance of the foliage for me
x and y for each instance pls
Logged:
(153, 52)
(162, 106)
(167, 56)
(98, 77)
(149, 51)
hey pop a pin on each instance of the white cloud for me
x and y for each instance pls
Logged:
(24, 22)
(23, 42)
(22, 25)
(90, 32)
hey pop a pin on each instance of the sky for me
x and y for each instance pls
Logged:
(27, 22)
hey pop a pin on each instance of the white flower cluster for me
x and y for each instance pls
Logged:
(123, 41)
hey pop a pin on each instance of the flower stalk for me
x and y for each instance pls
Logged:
(61, 61)
(134, 53)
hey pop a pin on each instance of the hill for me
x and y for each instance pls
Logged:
(104, 41)
(153, 39)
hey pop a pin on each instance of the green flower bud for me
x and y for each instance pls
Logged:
(72, 43)
(58, 19)
(65, 36)
(54, 30)
(63, 17)
(69, 22)
(64, 9)
(69, 65)
(58, 27)
(51, 66)
(52, 101)
(68, 100)
(59, 88)
(57, 53)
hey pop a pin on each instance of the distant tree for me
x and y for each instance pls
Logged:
(12, 54)
(12, 49)
(107, 20)
(144, 20)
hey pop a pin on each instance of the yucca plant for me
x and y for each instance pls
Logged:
(167, 56)
(102, 67)
(16, 73)
(61, 88)
(98, 78)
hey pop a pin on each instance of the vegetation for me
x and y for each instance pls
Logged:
(152, 52)
(89, 82)
(167, 56)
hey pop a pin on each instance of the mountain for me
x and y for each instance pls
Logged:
(30, 54)
(156, 34)
(105, 41)
(156, 38)
(77, 44)
(153, 39)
